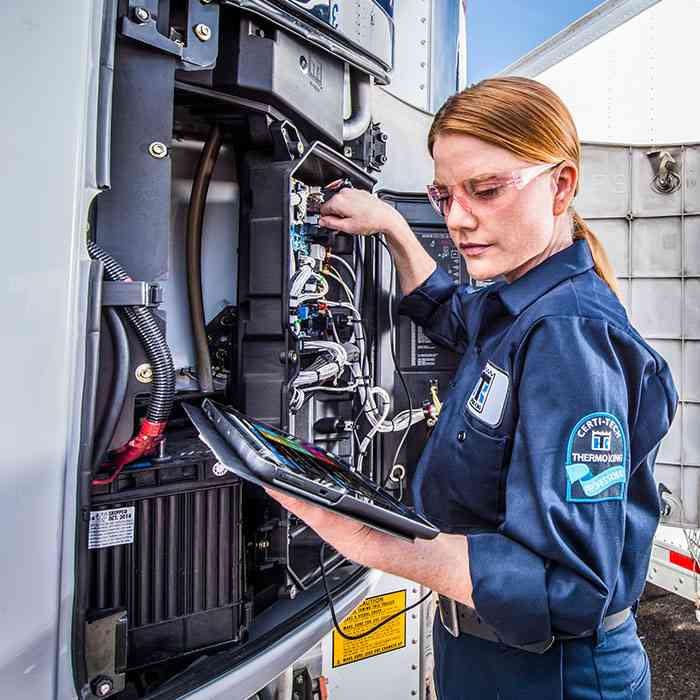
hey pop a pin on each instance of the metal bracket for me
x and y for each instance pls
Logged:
(197, 45)
(667, 178)
(131, 294)
(369, 149)
(106, 651)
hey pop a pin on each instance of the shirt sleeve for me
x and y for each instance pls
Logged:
(553, 564)
(438, 306)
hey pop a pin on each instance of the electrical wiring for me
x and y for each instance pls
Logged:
(402, 379)
(372, 630)
(345, 264)
(333, 274)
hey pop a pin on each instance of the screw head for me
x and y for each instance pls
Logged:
(144, 373)
(141, 14)
(158, 150)
(300, 148)
(347, 151)
(303, 63)
(219, 469)
(202, 32)
(461, 436)
(383, 137)
(382, 159)
(102, 686)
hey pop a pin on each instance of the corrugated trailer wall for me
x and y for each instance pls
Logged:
(653, 240)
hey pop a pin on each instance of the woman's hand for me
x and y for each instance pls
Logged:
(349, 537)
(360, 213)
(441, 564)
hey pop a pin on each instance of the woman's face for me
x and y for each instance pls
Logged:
(514, 238)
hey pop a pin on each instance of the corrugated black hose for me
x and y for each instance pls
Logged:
(146, 327)
(119, 385)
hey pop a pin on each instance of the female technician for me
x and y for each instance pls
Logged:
(539, 472)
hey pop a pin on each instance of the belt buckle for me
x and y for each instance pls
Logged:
(448, 615)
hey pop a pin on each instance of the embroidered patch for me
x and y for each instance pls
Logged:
(488, 397)
(596, 458)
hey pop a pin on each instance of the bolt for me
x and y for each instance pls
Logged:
(383, 137)
(158, 150)
(219, 469)
(102, 686)
(300, 680)
(347, 151)
(144, 373)
(300, 148)
(141, 15)
(382, 159)
(202, 32)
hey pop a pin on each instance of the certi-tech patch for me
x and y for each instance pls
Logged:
(596, 459)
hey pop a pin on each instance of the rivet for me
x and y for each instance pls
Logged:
(202, 32)
(461, 436)
(347, 151)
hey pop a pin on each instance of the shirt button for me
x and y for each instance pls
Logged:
(461, 436)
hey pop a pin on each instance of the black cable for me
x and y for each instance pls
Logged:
(352, 637)
(143, 321)
(392, 345)
(119, 384)
(193, 244)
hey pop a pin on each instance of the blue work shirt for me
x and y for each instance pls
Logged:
(544, 451)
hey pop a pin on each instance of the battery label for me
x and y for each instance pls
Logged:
(371, 612)
(111, 528)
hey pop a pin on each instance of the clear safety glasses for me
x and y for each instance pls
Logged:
(486, 193)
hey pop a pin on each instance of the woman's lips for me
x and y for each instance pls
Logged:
(473, 250)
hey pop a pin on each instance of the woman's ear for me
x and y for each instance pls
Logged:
(565, 182)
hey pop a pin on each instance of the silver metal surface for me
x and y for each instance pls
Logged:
(44, 306)
(361, 104)
(577, 35)
(652, 240)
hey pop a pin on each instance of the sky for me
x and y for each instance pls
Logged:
(501, 31)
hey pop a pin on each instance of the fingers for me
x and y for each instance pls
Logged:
(336, 223)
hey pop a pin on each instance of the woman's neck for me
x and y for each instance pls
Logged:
(561, 240)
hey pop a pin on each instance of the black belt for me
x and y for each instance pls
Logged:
(459, 619)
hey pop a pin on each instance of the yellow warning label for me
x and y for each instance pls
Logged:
(365, 616)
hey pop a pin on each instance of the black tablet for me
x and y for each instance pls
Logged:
(266, 455)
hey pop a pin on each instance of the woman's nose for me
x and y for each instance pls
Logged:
(461, 216)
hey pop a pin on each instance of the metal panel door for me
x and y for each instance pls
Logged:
(644, 205)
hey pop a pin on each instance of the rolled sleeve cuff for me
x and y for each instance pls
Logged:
(426, 297)
(509, 588)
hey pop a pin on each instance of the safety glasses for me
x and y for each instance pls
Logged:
(485, 193)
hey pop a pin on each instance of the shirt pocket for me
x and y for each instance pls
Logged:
(477, 474)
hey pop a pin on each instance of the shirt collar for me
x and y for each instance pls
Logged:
(561, 266)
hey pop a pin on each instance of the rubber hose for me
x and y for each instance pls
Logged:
(119, 384)
(195, 221)
(148, 331)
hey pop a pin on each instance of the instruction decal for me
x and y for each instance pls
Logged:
(596, 459)
(111, 528)
(369, 613)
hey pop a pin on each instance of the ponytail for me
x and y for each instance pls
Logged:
(602, 264)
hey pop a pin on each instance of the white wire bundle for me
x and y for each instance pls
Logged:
(301, 278)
